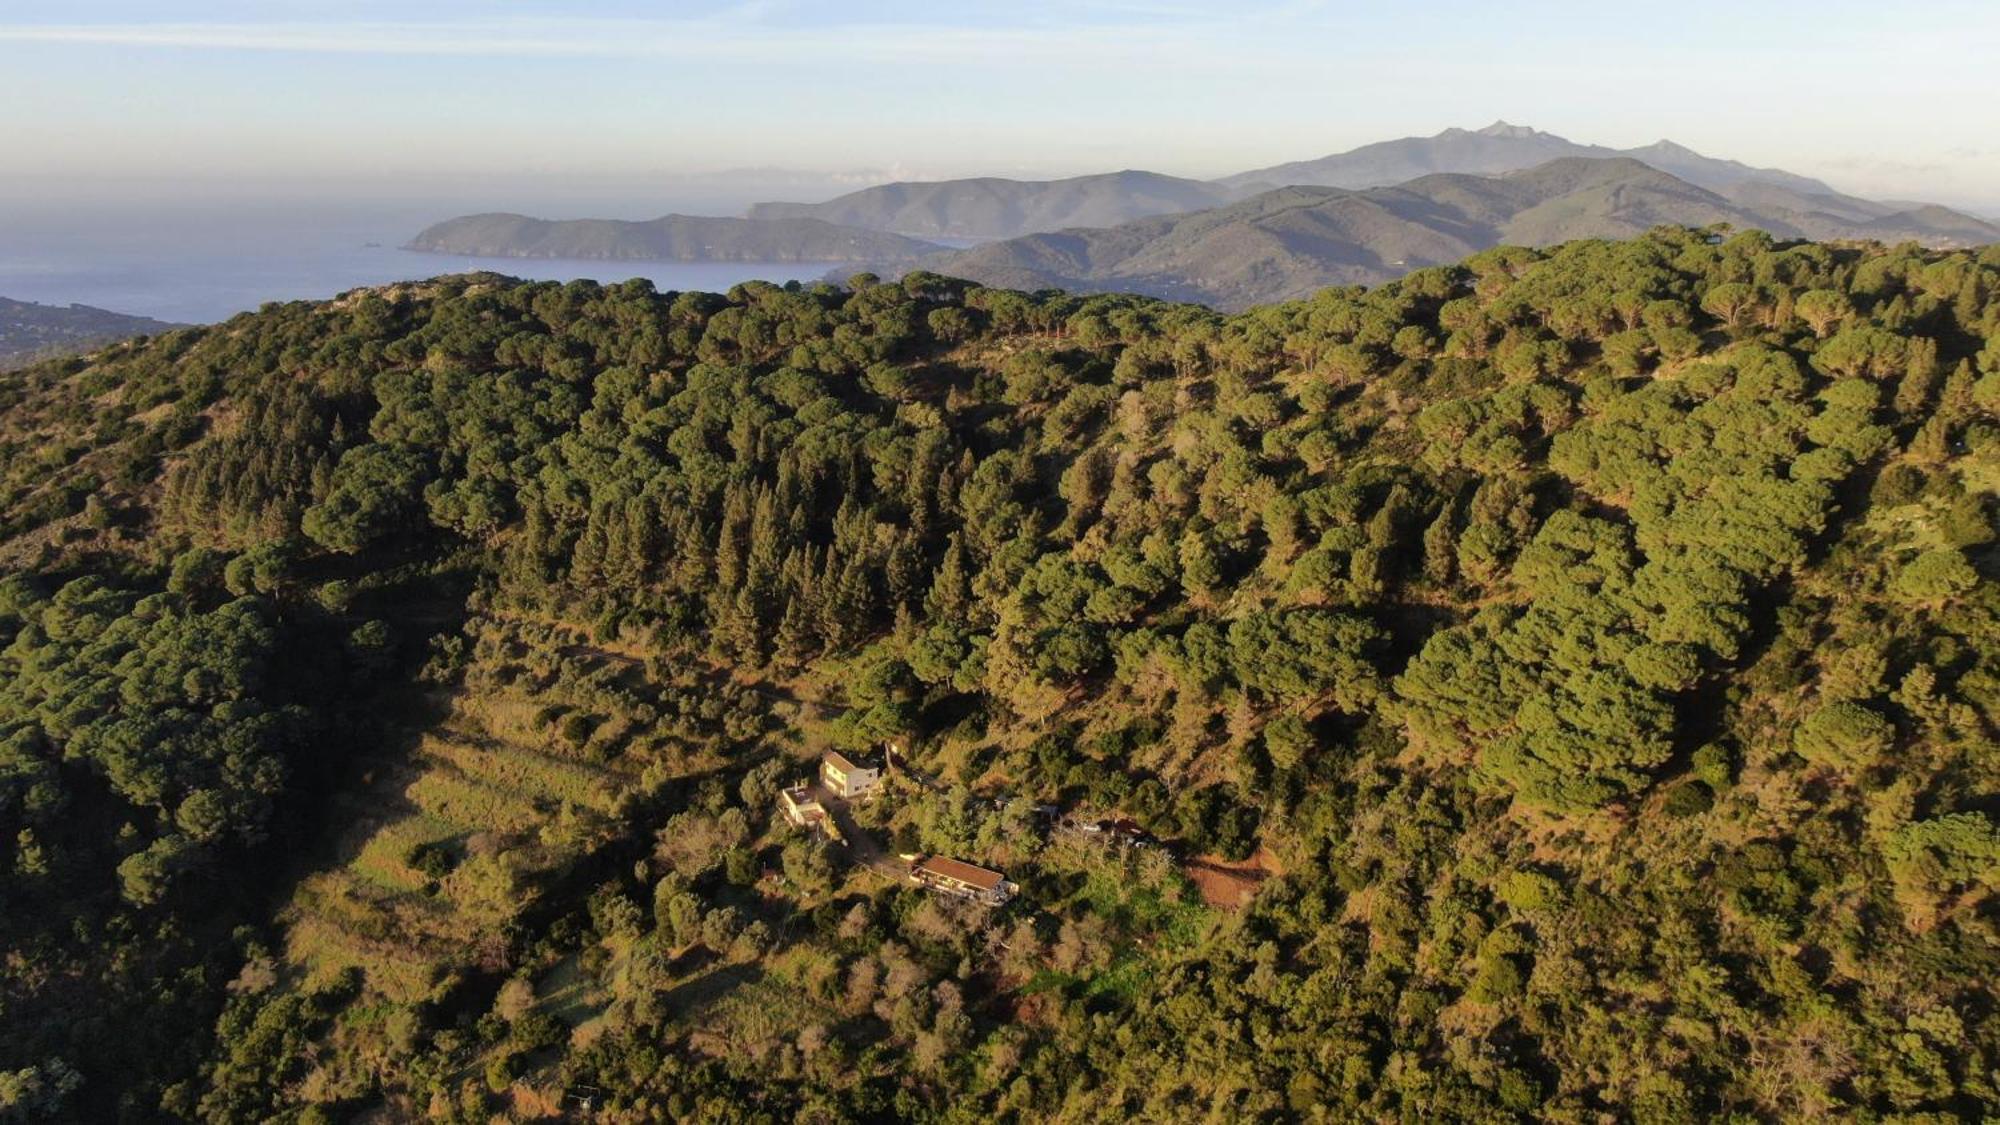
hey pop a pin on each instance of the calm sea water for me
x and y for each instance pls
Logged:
(197, 261)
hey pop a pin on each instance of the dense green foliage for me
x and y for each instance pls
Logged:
(1589, 657)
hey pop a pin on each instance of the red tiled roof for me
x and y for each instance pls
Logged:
(962, 872)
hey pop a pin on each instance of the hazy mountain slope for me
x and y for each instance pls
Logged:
(1934, 226)
(1499, 147)
(1288, 242)
(1764, 196)
(1716, 173)
(30, 331)
(1578, 198)
(998, 208)
(687, 238)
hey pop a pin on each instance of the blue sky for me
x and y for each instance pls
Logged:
(1888, 100)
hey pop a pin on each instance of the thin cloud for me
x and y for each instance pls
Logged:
(730, 38)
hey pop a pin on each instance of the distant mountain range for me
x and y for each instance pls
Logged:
(995, 208)
(30, 332)
(1365, 215)
(1291, 241)
(1498, 148)
(991, 208)
(686, 238)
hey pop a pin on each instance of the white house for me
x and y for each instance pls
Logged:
(844, 777)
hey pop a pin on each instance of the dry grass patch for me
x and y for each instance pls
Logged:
(525, 772)
(457, 799)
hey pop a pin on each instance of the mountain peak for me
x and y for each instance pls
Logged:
(1511, 132)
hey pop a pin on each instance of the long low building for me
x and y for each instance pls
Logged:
(955, 877)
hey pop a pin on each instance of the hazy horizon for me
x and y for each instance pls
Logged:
(188, 159)
(439, 100)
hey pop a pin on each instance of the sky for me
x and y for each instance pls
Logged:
(435, 96)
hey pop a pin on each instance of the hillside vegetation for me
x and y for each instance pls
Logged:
(1562, 685)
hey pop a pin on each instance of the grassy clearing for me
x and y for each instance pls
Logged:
(524, 772)
(568, 995)
(1145, 919)
(451, 796)
(737, 1004)
(1144, 910)
(403, 974)
(383, 859)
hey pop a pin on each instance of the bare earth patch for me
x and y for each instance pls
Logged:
(1229, 884)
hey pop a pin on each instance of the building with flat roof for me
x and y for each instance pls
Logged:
(801, 807)
(844, 777)
(965, 880)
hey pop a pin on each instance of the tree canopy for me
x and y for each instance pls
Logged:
(1559, 685)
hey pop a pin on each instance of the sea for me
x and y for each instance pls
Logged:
(201, 260)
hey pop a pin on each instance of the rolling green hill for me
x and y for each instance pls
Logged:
(1559, 684)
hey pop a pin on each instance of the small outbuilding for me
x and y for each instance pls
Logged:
(801, 807)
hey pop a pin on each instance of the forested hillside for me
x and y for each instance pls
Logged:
(1558, 686)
